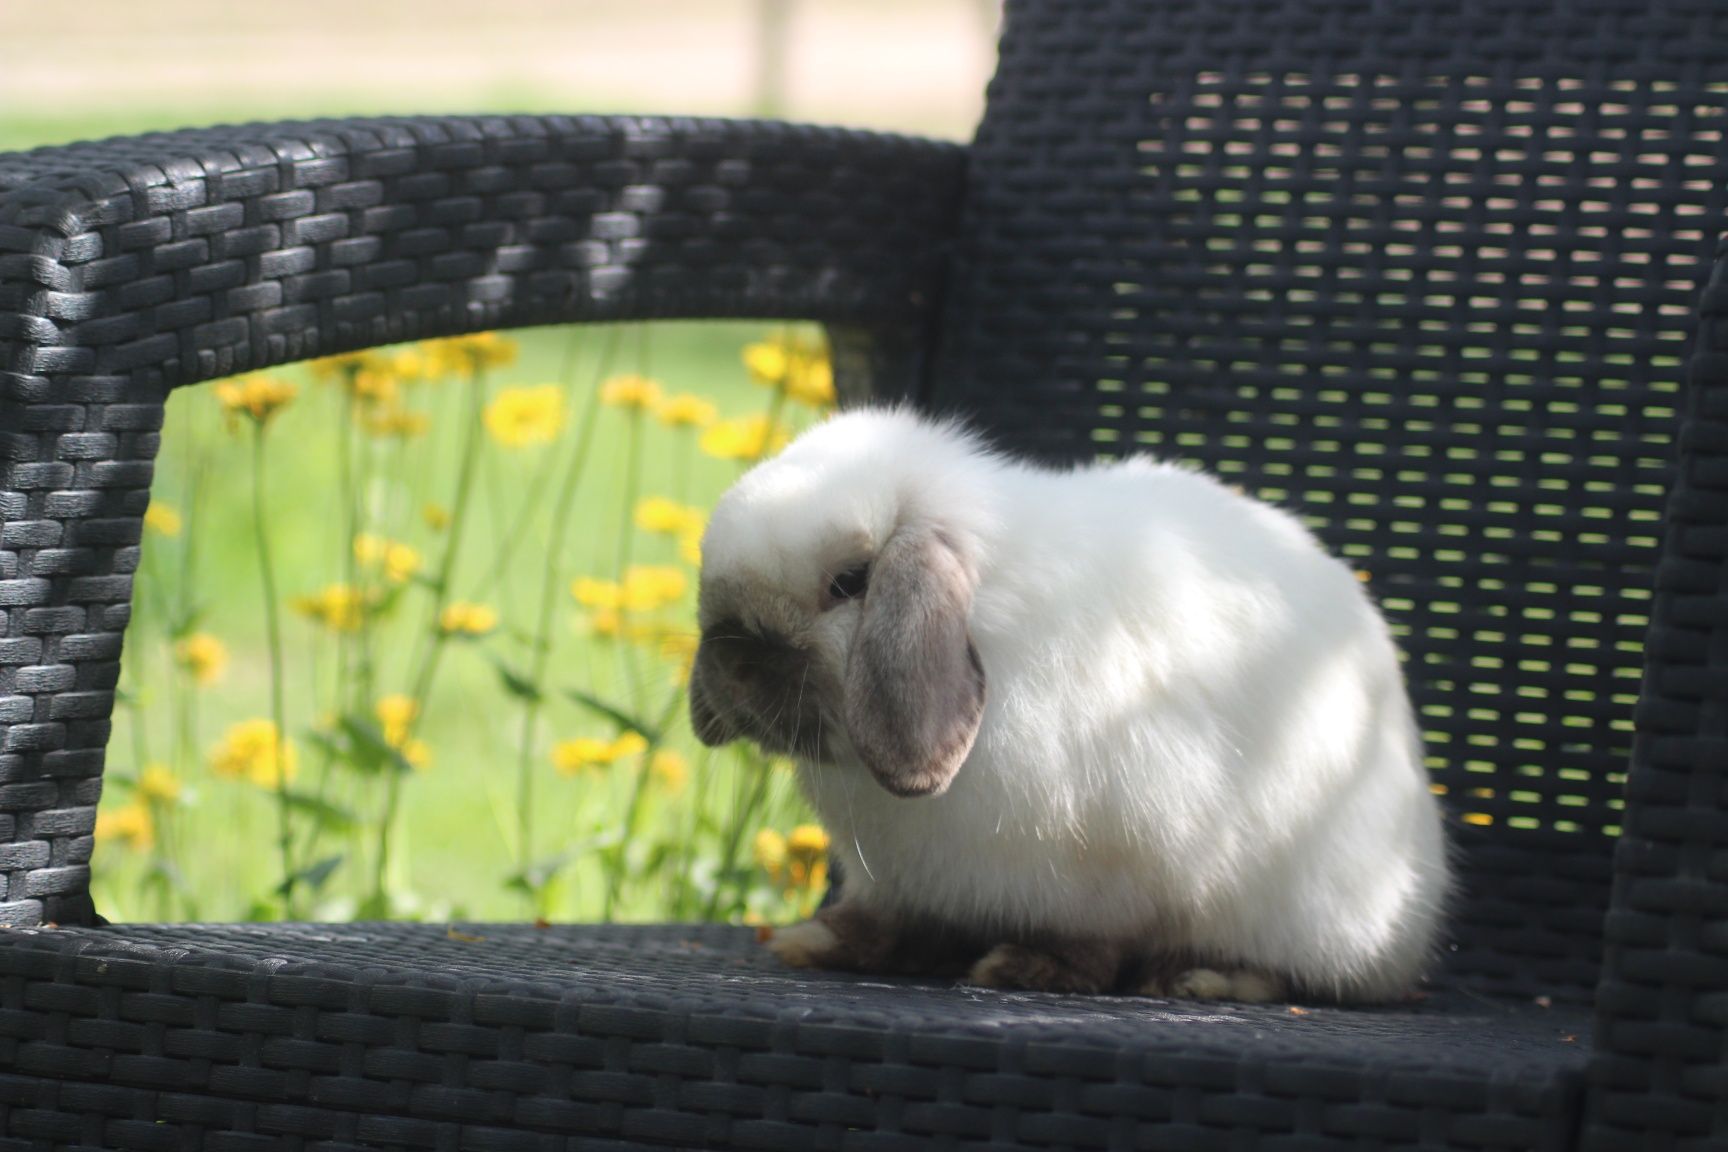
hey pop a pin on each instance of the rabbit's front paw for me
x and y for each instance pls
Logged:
(1212, 984)
(807, 944)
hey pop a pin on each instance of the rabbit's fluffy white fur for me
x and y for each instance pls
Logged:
(1195, 733)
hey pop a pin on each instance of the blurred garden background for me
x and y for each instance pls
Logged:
(471, 607)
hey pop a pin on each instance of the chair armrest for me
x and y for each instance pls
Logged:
(1657, 1076)
(132, 266)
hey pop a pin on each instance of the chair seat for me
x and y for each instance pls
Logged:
(496, 1036)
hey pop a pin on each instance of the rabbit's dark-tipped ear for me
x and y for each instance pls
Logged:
(914, 686)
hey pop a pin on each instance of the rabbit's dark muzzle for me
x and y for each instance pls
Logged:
(760, 687)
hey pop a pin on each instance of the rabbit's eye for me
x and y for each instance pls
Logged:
(850, 584)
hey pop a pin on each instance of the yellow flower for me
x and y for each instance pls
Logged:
(648, 586)
(749, 438)
(686, 410)
(669, 770)
(163, 518)
(667, 517)
(338, 607)
(690, 549)
(630, 392)
(202, 655)
(768, 361)
(157, 784)
(327, 367)
(629, 744)
(803, 371)
(396, 714)
(129, 824)
(807, 851)
(592, 593)
(259, 398)
(606, 622)
(465, 354)
(375, 386)
(680, 649)
(409, 364)
(523, 416)
(466, 619)
(437, 516)
(813, 384)
(769, 850)
(250, 749)
(396, 560)
(571, 756)
(402, 423)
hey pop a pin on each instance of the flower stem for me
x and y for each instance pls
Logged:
(428, 668)
(742, 817)
(615, 875)
(278, 711)
(542, 649)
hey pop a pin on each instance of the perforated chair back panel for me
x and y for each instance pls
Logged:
(1421, 270)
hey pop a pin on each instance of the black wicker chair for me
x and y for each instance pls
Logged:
(1426, 270)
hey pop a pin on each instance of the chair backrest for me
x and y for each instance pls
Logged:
(1422, 270)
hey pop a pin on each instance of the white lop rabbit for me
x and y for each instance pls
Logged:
(1118, 728)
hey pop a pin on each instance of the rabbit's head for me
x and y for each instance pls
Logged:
(837, 579)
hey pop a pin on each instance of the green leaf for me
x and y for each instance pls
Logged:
(370, 751)
(623, 720)
(312, 876)
(330, 817)
(515, 683)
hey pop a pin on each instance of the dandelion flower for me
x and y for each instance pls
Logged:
(606, 622)
(801, 370)
(259, 398)
(747, 439)
(250, 749)
(465, 354)
(162, 518)
(630, 391)
(396, 560)
(629, 744)
(396, 421)
(807, 853)
(669, 770)
(158, 785)
(329, 367)
(202, 655)
(572, 756)
(130, 825)
(339, 607)
(813, 383)
(465, 619)
(649, 586)
(592, 593)
(436, 516)
(519, 417)
(680, 648)
(686, 410)
(769, 852)
(396, 713)
(665, 517)
(690, 549)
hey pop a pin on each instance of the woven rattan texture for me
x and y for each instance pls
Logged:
(1659, 1081)
(1423, 271)
(688, 1035)
(131, 266)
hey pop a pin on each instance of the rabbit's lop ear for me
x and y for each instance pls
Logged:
(914, 686)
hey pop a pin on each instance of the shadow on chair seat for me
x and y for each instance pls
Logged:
(506, 1036)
